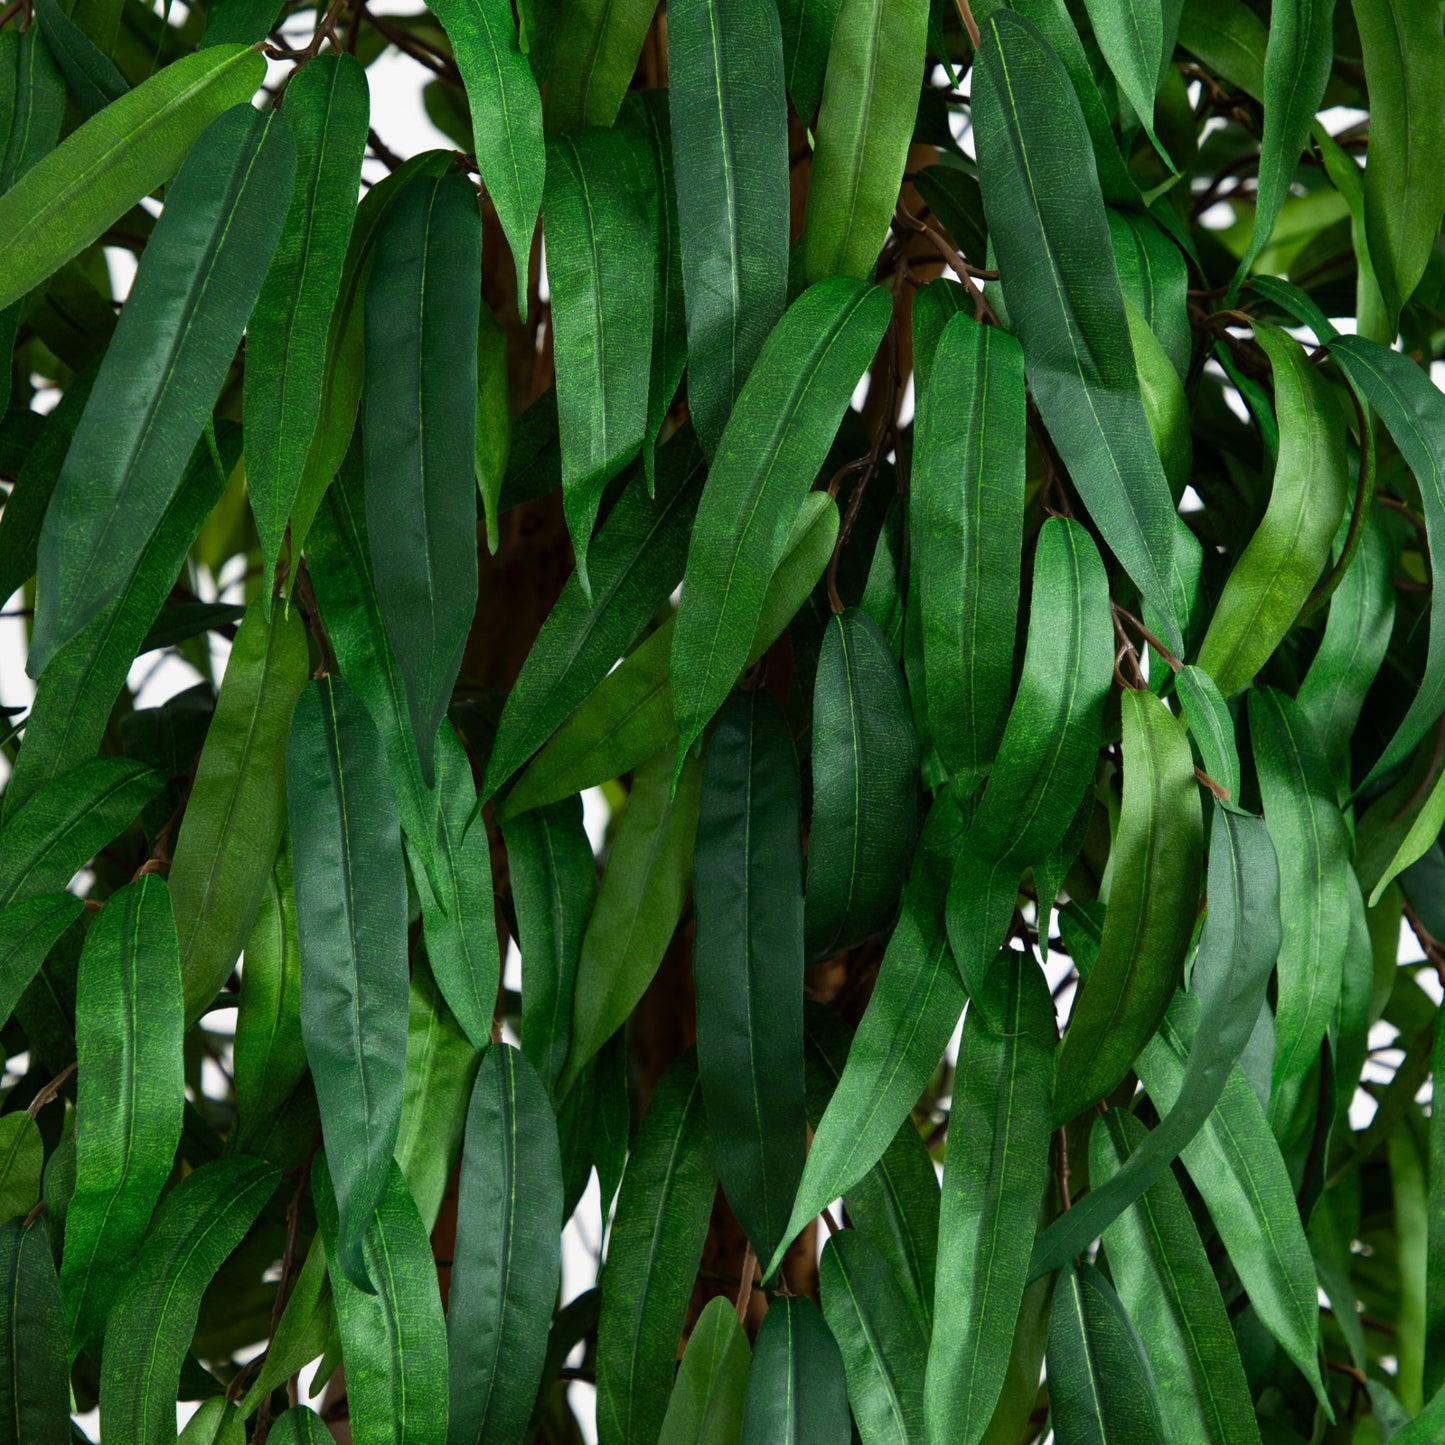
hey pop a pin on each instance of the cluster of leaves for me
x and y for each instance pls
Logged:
(1095, 699)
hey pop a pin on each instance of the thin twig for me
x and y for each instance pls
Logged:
(745, 1284)
(49, 1091)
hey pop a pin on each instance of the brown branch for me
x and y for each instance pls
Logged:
(50, 1091)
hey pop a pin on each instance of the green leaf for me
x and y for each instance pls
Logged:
(269, 1057)
(1312, 843)
(865, 126)
(1231, 972)
(1236, 1165)
(894, 1205)
(993, 1184)
(22, 1161)
(506, 113)
(505, 1273)
(344, 366)
(163, 369)
(644, 888)
(131, 1095)
(1357, 633)
(636, 560)
(1154, 276)
(149, 1335)
(707, 1401)
(911, 1014)
(339, 559)
(76, 693)
(663, 1210)
(647, 111)
(299, 1426)
(797, 1392)
(807, 33)
(1230, 39)
(59, 206)
(748, 963)
(1297, 64)
(1080, 370)
(494, 420)
(1049, 748)
(35, 102)
(629, 716)
(1404, 50)
(1100, 1384)
(28, 930)
(419, 423)
(883, 1345)
(34, 1371)
(1212, 727)
(553, 882)
(1131, 38)
(237, 809)
(591, 49)
(1155, 872)
(351, 920)
(90, 73)
(67, 823)
(774, 444)
(441, 1067)
(461, 928)
(393, 1342)
(1284, 559)
(1413, 411)
(865, 783)
(729, 114)
(328, 106)
(601, 232)
(966, 508)
(1167, 1286)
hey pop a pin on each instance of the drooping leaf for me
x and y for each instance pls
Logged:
(773, 445)
(1100, 1384)
(729, 115)
(22, 1162)
(1284, 559)
(176, 338)
(1049, 746)
(1131, 37)
(993, 1183)
(636, 560)
(121, 154)
(599, 220)
(748, 963)
(708, 1395)
(419, 424)
(865, 770)
(460, 928)
(237, 809)
(131, 1094)
(28, 930)
(1080, 368)
(966, 510)
(883, 1345)
(506, 115)
(641, 898)
(1211, 726)
(151, 1326)
(807, 35)
(34, 1370)
(797, 1392)
(327, 106)
(913, 1010)
(663, 1210)
(1168, 1289)
(507, 1254)
(1155, 896)
(590, 49)
(865, 124)
(299, 1426)
(351, 922)
(629, 716)
(393, 1342)
(553, 885)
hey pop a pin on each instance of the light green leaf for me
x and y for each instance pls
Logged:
(22, 1161)
(706, 1407)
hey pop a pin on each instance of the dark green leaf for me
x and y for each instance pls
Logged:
(90, 73)
(729, 116)
(507, 1254)
(28, 930)
(797, 1392)
(748, 963)
(177, 336)
(351, 921)
(422, 303)
(34, 1370)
